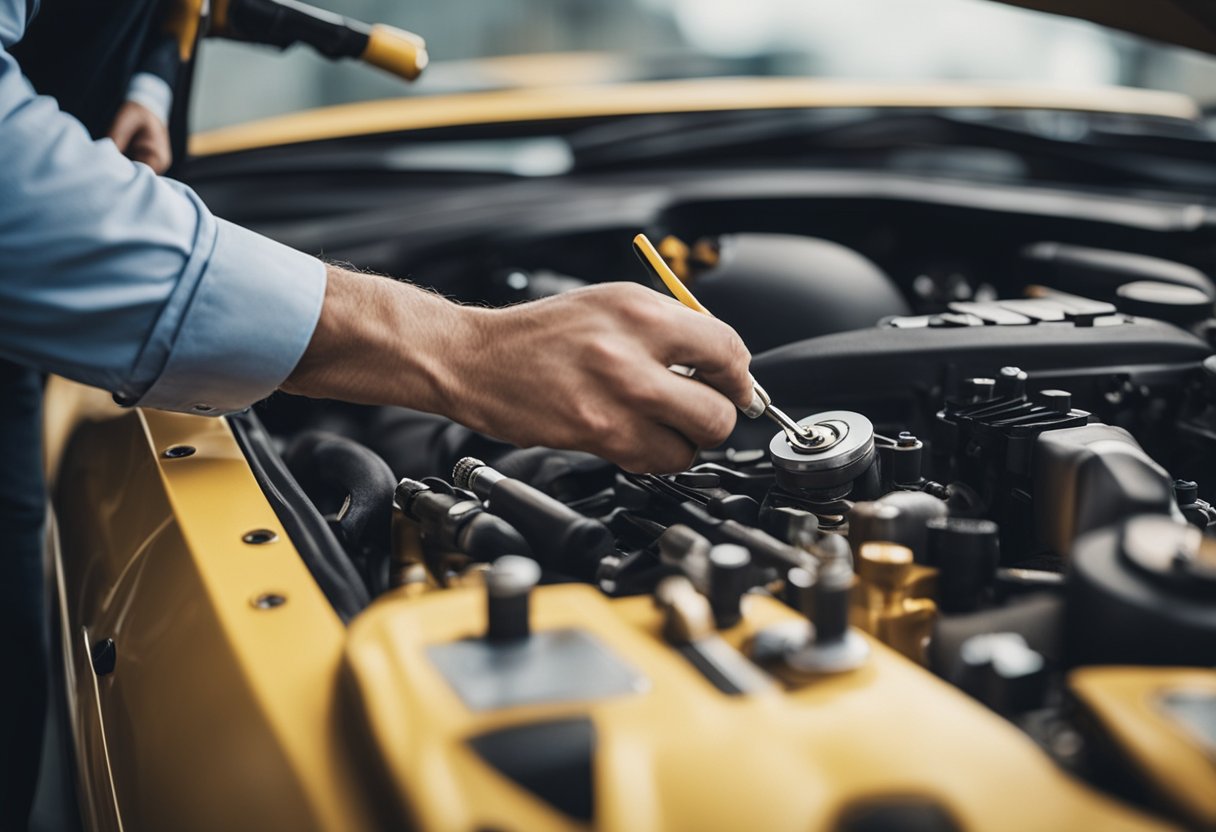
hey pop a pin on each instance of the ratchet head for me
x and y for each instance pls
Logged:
(800, 437)
(803, 438)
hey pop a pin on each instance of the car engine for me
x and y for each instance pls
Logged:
(1005, 498)
(983, 599)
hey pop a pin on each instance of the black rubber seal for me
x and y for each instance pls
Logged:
(320, 550)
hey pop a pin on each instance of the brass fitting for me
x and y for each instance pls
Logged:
(890, 598)
(687, 616)
(410, 580)
(406, 548)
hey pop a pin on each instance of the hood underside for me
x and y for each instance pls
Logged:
(1190, 23)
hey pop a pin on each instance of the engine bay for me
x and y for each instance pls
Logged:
(1016, 400)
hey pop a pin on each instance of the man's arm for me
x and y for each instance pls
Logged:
(114, 277)
(585, 370)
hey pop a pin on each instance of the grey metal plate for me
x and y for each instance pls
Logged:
(1195, 712)
(548, 666)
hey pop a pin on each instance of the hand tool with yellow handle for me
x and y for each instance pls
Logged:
(761, 404)
(395, 50)
(283, 23)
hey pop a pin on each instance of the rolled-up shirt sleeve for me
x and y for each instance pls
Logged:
(123, 280)
(248, 321)
(152, 92)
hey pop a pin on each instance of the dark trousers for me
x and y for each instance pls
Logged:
(22, 588)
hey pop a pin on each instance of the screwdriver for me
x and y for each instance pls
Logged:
(762, 403)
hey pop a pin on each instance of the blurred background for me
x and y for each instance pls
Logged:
(490, 44)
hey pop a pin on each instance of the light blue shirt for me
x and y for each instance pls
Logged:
(118, 278)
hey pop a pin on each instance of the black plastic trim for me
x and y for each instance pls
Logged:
(554, 760)
(887, 363)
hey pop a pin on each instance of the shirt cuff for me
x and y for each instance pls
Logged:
(153, 92)
(251, 318)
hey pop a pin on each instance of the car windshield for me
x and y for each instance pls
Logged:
(492, 44)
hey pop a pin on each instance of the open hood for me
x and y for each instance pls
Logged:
(1190, 23)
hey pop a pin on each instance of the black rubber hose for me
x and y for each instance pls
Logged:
(318, 547)
(353, 489)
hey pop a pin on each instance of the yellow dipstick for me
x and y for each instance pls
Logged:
(659, 268)
(761, 404)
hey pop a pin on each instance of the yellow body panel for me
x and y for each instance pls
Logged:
(218, 715)
(183, 19)
(684, 756)
(1126, 702)
(703, 95)
(221, 715)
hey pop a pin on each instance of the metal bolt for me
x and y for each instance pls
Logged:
(259, 536)
(1186, 491)
(981, 389)
(179, 451)
(269, 600)
(1066, 743)
(509, 584)
(799, 590)
(1011, 382)
(936, 489)
(1057, 401)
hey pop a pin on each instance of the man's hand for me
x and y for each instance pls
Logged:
(586, 370)
(141, 136)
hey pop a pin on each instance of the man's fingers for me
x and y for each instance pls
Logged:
(646, 447)
(675, 334)
(140, 136)
(695, 410)
(712, 347)
(123, 129)
(151, 152)
(738, 388)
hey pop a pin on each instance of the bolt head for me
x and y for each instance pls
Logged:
(269, 601)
